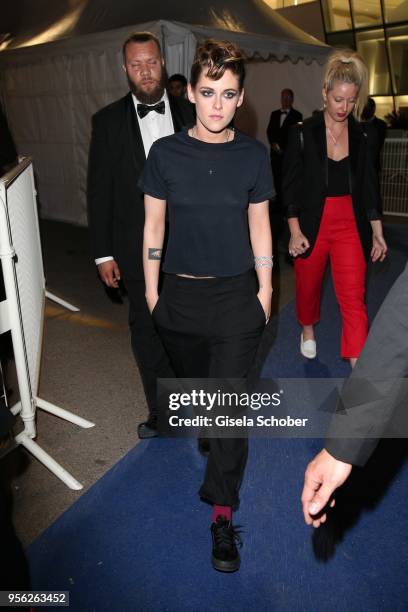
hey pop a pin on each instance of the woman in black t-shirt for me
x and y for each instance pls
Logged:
(216, 183)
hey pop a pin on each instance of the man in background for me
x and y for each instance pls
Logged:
(278, 127)
(369, 116)
(122, 134)
(177, 85)
(279, 123)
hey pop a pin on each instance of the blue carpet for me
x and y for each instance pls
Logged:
(138, 540)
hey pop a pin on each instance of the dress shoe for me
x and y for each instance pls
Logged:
(308, 348)
(225, 556)
(148, 429)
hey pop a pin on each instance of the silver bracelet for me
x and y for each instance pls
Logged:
(263, 262)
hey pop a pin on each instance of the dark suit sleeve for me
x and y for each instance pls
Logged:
(371, 190)
(292, 173)
(374, 397)
(8, 153)
(100, 185)
(271, 131)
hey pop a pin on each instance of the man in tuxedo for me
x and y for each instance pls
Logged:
(277, 132)
(278, 127)
(122, 134)
(373, 402)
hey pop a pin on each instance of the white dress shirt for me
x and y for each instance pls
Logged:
(284, 113)
(152, 126)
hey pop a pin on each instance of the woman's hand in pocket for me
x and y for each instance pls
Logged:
(265, 297)
(152, 301)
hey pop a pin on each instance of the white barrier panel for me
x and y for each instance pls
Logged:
(394, 176)
(25, 238)
(22, 312)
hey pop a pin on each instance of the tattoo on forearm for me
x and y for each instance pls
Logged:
(155, 254)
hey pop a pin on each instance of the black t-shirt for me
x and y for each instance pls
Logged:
(208, 188)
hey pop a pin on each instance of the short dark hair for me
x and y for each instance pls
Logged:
(140, 37)
(290, 91)
(217, 56)
(178, 77)
(369, 110)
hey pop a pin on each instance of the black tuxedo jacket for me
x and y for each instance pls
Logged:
(279, 134)
(115, 202)
(305, 177)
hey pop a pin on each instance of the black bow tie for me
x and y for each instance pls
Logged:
(284, 112)
(144, 109)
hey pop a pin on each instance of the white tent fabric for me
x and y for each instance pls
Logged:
(57, 19)
(50, 92)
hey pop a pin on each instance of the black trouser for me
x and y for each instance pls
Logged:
(150, 355)
(212, 328)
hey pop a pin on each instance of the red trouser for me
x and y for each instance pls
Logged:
(338, 239)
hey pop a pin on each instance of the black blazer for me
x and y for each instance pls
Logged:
(305, 177)
(115, 202)
(279, 134)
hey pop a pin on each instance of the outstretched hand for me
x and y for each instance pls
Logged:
(323, 476)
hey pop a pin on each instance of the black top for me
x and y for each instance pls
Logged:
(208, 187)
(305, 177)
(338, 183)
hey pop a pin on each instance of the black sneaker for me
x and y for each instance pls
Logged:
(225, 556)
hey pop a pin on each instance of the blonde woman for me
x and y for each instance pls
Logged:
(331, 193)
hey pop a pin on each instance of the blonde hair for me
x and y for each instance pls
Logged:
(347, 66)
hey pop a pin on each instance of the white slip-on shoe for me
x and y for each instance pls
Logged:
(308, 348)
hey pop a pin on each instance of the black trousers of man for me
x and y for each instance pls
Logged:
(147, 346)
(211, 328)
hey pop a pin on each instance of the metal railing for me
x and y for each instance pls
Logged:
(394, 176)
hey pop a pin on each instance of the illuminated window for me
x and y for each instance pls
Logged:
(398, 46)
(395, 10)
(337, 15)
(371, 46)
(401, 103)
(366, 13)
(277, 4)
(384, 106)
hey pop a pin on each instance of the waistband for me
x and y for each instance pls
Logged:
(174, 279)
(345, 199)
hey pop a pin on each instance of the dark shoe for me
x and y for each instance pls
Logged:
(225, 556)
(148, 429)
(204, 446)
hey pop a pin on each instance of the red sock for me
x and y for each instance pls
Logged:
(217, 511)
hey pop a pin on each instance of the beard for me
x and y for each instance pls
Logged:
(155, 94)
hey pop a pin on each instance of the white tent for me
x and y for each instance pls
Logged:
(51, 90)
